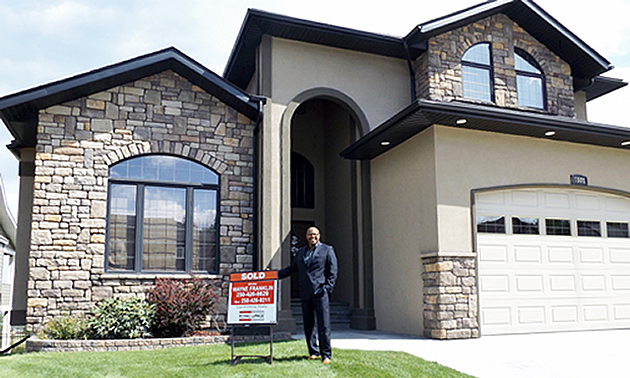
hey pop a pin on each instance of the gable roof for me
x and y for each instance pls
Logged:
(422, 114)
(585, 62)
(19, 110)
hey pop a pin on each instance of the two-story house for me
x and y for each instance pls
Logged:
(453, 169)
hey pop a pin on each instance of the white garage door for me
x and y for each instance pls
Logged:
(552, 260)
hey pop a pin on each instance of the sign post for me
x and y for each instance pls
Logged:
(252, 300)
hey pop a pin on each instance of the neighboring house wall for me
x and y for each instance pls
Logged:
(79, 140)
(439, 73)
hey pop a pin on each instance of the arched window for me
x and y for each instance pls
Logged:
(302, 182)
(530, 82)
(162, 216)
(477, 74)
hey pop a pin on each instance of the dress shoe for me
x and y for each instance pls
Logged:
(313, 357)
(326, 361)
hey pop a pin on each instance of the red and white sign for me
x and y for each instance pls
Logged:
(253, 298)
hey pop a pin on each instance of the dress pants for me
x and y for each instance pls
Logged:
(317, 307)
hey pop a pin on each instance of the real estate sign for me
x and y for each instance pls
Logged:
(253, 298)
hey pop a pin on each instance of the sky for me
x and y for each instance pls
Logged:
(42, 41)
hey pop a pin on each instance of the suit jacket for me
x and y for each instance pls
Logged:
(319, 275)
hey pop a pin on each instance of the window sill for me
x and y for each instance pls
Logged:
(150, 276)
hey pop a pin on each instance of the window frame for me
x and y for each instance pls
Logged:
(302, 182)
(140, 185)
(489, 68)
(540, 75)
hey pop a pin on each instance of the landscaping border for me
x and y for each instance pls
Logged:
(36, 344)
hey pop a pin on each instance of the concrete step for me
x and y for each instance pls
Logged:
(339, 314)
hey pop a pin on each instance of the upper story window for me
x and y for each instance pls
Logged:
(163, 216)
(477, 72)
(302, 182)
(529, 81)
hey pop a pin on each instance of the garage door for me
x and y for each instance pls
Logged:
(552, 260)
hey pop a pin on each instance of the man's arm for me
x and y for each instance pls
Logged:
(289, 270)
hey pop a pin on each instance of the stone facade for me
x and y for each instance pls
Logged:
(78, 141)
(438, 71)
(450, 297)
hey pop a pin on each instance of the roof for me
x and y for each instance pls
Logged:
(422, 114)
(19, 110)
(585, 62)
(242, 61)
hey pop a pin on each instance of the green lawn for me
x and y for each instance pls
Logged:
(214, 360)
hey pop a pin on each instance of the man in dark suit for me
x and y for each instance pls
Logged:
(316, 264)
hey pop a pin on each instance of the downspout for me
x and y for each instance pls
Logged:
(411, 71)
(255, 257)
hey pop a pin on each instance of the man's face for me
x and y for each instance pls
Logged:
(312, 236)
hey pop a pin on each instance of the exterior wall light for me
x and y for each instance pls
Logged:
(385, 143)
(625, 143)
(550, 133)
(461, 121)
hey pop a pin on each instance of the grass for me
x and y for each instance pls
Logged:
(214, 360)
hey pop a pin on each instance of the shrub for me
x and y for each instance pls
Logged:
(117, 318)
(181, 305)
(66, 328)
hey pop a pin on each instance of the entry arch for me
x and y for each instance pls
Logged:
(321, 122)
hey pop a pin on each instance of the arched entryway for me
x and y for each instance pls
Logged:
(333, 193)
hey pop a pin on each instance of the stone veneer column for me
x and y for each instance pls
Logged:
(450, 295)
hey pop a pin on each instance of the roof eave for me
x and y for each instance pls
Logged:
(422, 114)
(19, 110)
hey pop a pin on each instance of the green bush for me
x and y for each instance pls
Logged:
(66, 328)
(117, 318)
(181, 305)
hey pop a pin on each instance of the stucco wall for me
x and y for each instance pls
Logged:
(403, 200)
(467, 159)
(78, 141)
(379, 85)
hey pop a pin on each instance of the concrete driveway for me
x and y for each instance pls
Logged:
(568, 354)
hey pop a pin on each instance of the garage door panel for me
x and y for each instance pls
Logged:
(619, 256)
(564, 314)
(560, 254)
(621, 312)
(493, 253)
(591, 255)
(562, 283)
(557, 200)
(593, 283)
(596, 313)
(621, 283)
(496, 316)
(527, 253)
(495, 283)
(587, 202)
(530, 283)
(531, 315)
(539, 283)
(525, 198)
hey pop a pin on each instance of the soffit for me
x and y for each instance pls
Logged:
(422, 114)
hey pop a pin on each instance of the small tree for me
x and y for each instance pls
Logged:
(181, 305)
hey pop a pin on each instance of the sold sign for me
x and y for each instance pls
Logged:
(252, 297)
